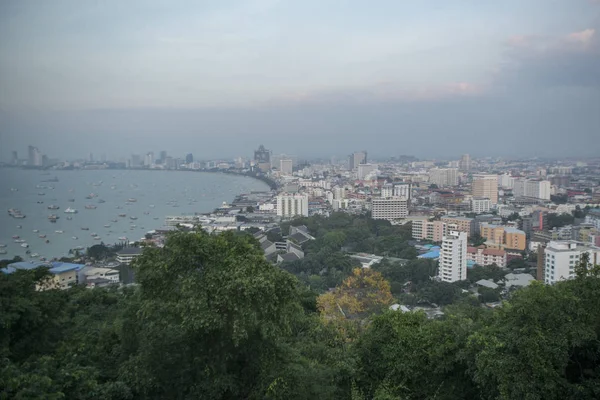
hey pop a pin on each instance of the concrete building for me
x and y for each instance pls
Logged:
(562, 257)
(503, 237)
(387, 190)
(357, 158)
(483, 256)
(506, 181)
(423, 229)
(465, 163)
(286, 166)
(127, 254)
(443, 176)
(389, 208)
(463, 224)
(403, 190)
(291, 205)
(365, 169)
(532, 188)
(486, 186)
(262, 158)
(480, 205)
(453, 257)
(62, 275)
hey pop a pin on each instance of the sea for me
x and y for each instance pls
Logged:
(145, 197)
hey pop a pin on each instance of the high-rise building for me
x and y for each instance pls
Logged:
(31, 155)
(480, 205)
(163, 156)
(387, 190)
(561, 257)
(149, 159)
(486, 186)
(403, 190)
(262, 158)
(532, 188)
(136, 160)
(443, 176)
(189, 158)
(465, 163)
(365, 169)
(91, 157)
(389, 208)
(291, 205)
(453, 257)
(357, 158)
(15, 158)
(286, 166)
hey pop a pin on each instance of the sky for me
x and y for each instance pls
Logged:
(430, 78)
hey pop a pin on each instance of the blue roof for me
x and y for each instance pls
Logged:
(431, 255)
(470, 263)
(58, 267)
(55, 267)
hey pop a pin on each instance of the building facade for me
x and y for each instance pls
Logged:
(291, 205)
(562, 257)
(482, 256)
(486, 186)
(355, 159)
(443, 176)
(480, 205)
(532, 188)
(453, 257)
(389, 208)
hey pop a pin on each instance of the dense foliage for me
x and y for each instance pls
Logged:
(211, 319)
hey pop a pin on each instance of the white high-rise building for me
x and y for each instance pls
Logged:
(506, 181)
(480, 205)
(529, 188)
(355, 159)
(286, 166)
(453, 257)
(562, 256)
(387, 190)
(443, 176)
(403, 190)
(291, 205)
(389, 208)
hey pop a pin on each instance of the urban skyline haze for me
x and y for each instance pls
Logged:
(430, 78)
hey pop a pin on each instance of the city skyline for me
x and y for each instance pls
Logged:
(424, 78)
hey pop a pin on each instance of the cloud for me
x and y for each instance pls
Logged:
(569, 60)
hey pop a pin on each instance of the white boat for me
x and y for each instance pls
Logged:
(42, 236)
(70, 210)
(24, 245)
(59, 231)
(35, 255)
(14, 190)
(19, 241)
(90, 207)
(3, 251)
(107, 226)
(19, 226)
(122, 238)
(2, 245)
(75, 238)
(35, 231)
(97, 238)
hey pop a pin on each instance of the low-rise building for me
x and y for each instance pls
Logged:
(463, 224)
(127, 254)
(561, 257)
(480, 205)
(62, 275)
(483, 256)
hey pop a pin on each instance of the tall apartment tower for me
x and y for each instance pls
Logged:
(465, 163)
(286, 166)
(291, 205)
(357, 158)
(453, 257)
(486, 186)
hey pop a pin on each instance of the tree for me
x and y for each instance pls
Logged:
(249, 209)
(362, 294)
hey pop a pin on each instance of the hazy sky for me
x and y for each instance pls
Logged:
(423, 77)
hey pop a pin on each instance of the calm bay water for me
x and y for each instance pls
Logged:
(157, 194)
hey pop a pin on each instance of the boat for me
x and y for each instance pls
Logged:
(122, 238)
(85, 229)
(78, 248)
(132, 200)
(19, 226)
(16, 237)
(133, 226)
(97, 237)
(35, 230)
(101, 201)
(75, 238)
(114, 220)
(122, 215)
(19, 241)
(41, 194)
(155, 217)
(71, 200)
(15, 213)
(94, 234)
(35, 255)
(40, 202)
(107, 226)
(90, 207)
(70, 210)
(3, 251)
(25, 245)
(133, 218)
(2, 245)
(47, 241)
(42, 236)
(151, 206)
(53, 217)
(28, 252)
(59, 231)
(146, 212)
(69, 218)
(14, 189)
(53, 207)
